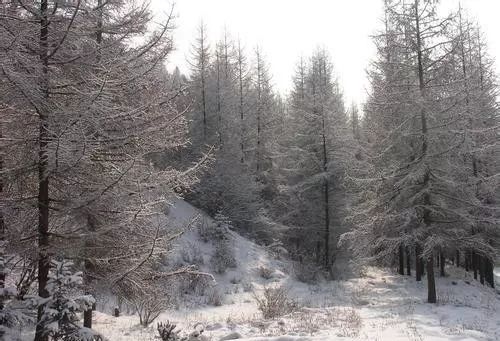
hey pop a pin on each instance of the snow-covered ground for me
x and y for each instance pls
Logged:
(376, 306)
(379, 306)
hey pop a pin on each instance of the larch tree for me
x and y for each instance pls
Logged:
(312, 158)
(84, 108)
(419, 196)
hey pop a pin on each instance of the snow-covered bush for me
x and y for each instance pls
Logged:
(265, 272)
(193, 284)
(306, 272)
(223, 257)
(216, 231)
(275, 302)
(191, 254)
(149, 305)
(350, 323)
(215, 296)
(247, 286)
(61, 308)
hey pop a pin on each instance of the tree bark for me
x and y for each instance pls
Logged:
(327, 225)
(418, 261)
(87, 318)
(482, 269)
(401, 260)
(326, 192)
(442, 261)
(431, 282)
(240, 84)
(43, 180)
(408, 261)
(474, 264)
(2, 241)
(490, 277)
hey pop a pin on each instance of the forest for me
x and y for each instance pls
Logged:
(138, 203)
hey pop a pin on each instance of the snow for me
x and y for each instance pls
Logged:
(376, 306)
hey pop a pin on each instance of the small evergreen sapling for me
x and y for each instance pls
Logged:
(60, 309)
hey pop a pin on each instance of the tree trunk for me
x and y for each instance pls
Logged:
(424, 130)
(2, 240)
(431, 283)
(418, 267)
(87, 314)
(326, 195)
(482, 269)
(468, 263)
(474, 264)
(442, 261)
(240, 83)
(43, 180)
(259, 110)
(219, 99)
(87, 318)
(318, 252)
(401, 260)
(408, 261)
(458, 258)
(327, 225)
(490, 277)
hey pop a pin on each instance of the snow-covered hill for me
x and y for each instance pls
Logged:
(376, 306)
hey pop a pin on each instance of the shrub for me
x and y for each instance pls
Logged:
(149, 305)
(265, 272)
(306, 273)
(219, 233)
(167, 331)
(275, 302)
(215, 297)
(223, 257)
(247, 286)
(191, 254)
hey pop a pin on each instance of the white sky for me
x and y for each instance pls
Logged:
(287, 29)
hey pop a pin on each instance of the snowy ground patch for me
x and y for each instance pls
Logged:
(377, 306)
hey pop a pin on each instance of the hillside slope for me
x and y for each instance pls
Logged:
(377, 306)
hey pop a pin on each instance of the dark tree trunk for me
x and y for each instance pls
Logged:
(418, 261)
(474, 264)
(87, 318)
(43, 180)
(490, 277)
(458, 258)
(326, 195)
(431, 283)
(318, 252)
(401, 260)
(408, 261)
(482, 269)
(327, 225)
(2, 239)
(442, 261)
(467, 260)
(240, 84)
(259, 110)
